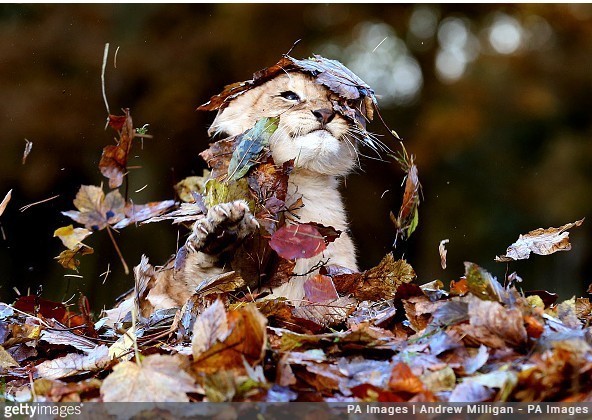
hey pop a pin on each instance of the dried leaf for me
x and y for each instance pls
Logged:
(193, 184)
(380, 282)
(326, 313)
(221, 192)
(136, 213)
(481, 283)
(113, 164)
(495, 325)
(74, 364)
(70, 237)
(69, 257)
(408, 218)
(330, 73)
(5, 201)
(251, 145)
(96, 210)
(320, 288)
(218, 155)
(159, 378)
(6, 360)
(297, 241)
(442, 250)
(210, 327)
(35, 305)
(403, 380)
(540, 241)
(28, 148)
(245, 340)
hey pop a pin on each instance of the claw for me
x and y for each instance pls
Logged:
(224, 211)
(203, 229)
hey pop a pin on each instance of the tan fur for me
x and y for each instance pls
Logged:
(321, 158)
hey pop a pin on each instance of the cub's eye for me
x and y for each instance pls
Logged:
(290, 96)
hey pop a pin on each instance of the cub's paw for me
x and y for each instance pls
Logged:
(224, 224)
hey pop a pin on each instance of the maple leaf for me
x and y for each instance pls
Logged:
(97, 210)
(540, 241)
(251, 145)
(159, 378)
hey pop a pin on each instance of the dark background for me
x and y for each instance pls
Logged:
(493, 100)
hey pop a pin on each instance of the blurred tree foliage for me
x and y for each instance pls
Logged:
(493, 100)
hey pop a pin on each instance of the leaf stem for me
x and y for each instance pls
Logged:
(125, 267)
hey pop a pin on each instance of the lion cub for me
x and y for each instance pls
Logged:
(322, 143)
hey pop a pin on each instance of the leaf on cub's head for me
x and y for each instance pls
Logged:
(251, 145)
(113, 164)
(540, 241)
(356, 100)
(96, 210)
(297, 241)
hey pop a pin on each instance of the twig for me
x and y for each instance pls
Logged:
(105, 56)
(28, 206)
(125, 267)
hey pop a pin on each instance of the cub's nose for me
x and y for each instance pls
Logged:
(324, 115)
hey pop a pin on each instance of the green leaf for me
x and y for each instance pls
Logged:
(250, 146)
(221, 192)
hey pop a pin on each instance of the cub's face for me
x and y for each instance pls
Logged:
(309, 131)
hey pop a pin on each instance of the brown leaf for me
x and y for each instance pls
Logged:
(380, 282)
(408, 218)
(136, 213)
(540, 241)
(113, 163)
(495, 325)
(349, 88)
(245, 340)
(327, 313)
(96, 210)
(210, 327)
(75, 364)
(442, 250)
(6, 360)
(320, 288)
(28, 148)
(218, 155)
(158, 378)
(69, 257)
(403, 380)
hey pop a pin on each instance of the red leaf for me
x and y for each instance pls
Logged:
(35, 305)
(320, 289)
(117, 122)
(297, 241)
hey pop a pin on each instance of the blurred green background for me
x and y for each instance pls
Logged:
(493, 100)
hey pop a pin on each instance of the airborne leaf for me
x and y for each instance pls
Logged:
(96, 210)
(71, 237)
(69, 257)
(540, 241)
(113, 164)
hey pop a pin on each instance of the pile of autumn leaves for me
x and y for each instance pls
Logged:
(479, 341)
